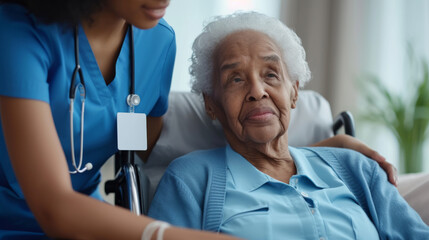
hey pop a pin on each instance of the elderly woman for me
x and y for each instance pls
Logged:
(249, 68)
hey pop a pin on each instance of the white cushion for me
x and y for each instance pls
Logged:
(415, 189)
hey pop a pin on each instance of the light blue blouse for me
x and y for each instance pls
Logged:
(37, 61)
(312, 206)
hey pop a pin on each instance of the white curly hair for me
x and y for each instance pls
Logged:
(293, 53)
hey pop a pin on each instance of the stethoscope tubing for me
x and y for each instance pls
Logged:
(88, 166)
(132, 99)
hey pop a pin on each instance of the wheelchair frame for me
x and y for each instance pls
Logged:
(126, 186)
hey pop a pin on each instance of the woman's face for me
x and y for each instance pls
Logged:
(143, 14)
(252, 92)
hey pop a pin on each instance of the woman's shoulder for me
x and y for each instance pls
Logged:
(11, 12)
(13, 15)
(23, 27)
(200, 160)
(157, 41)
(165, 27)
(28, 50)
(14, 18)
(342, 158)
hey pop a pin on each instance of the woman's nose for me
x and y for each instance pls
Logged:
(256, 91)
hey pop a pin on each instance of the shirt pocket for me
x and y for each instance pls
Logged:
(363, 227)
(354, 219)
(251, 223)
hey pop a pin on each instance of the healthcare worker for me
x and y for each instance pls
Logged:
(67, 68)
(41, 191)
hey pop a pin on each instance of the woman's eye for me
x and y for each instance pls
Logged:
(271, 75)
(236, 79)
(233, 81)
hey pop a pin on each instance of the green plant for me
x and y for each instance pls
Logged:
(406, 115)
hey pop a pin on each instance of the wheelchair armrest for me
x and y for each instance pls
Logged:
(345, 119)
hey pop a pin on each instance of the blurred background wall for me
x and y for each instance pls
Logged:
(345, 41)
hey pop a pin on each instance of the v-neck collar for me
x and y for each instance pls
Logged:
(90, 65)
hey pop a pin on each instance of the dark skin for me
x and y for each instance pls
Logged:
(250, 93)
(38, 159)
(106, 45)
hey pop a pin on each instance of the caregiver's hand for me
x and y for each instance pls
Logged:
(346, 141)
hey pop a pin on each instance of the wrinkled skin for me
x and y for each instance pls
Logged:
(252, 98)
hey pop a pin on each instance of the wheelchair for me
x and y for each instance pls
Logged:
(126, 185)
(188, 128)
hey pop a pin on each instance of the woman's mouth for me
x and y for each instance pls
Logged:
(259, 115)
(155, 13)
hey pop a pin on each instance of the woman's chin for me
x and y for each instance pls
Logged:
(147, 24)
(263, 135)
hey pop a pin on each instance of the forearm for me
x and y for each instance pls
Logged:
(346, 141)
(186, 234)
(77, 216)
(335, 141)
(98, 220)
(103, 221)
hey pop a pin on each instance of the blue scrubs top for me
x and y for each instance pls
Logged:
(315, 204)
(37, 61)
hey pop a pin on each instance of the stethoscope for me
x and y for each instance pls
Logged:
(133, 99)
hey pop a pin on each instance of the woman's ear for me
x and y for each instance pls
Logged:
(295, 88)
(209, 106)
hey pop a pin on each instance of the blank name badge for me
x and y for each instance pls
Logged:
(132, 134)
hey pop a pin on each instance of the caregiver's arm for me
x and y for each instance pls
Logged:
(42, 172)
(40, 167)
(346, 141)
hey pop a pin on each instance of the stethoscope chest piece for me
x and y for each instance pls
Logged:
(133, 100)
